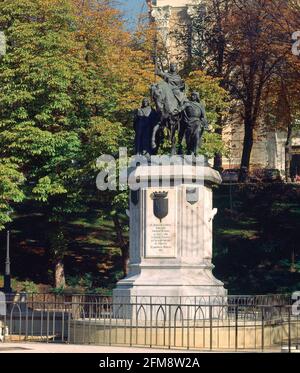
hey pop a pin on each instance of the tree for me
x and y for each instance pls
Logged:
(282, 97)
(125, 69)
(70, 71)
(257, 48)
(246, 42)
(209, 47)
(41, 110)
(282, 91)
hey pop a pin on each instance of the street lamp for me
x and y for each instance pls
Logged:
(7, 275)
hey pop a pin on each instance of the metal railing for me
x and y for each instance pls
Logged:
(199, 323)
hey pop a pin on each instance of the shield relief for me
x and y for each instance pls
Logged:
(192, 195)
(135, 197)
(160, 205)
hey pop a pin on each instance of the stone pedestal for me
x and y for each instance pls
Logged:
(171, 228)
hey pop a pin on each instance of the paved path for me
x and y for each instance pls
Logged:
(61, 348)
(53, 348)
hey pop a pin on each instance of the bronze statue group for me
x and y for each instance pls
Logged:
(175, 115)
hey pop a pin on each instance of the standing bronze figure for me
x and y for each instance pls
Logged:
(144, 122)
(194, 123)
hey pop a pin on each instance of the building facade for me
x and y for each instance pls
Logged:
(171, 16)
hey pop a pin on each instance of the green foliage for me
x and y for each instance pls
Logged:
(26, 286)
(105, 135)
(215, 98)
(29, 287)
(85, 281)
(40, 117)
(57, 240)
(212, 145)
(104, 292)
(58, 291)
(46, 188)
(10, 189)
(120, 202)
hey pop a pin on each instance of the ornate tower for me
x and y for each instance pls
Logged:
(174, 22)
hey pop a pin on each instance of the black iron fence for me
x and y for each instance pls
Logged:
(201, 323)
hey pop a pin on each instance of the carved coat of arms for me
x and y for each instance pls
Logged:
(192, 195)
(160, 204)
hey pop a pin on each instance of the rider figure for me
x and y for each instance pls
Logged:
(175, 82)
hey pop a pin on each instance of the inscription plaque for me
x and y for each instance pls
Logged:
(161, 235)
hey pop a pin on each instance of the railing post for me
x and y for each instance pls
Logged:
(289, 329)
(210, 328)
(151, 321)
(69, 326)
(236, 326)
(262, 328)
(170, 325)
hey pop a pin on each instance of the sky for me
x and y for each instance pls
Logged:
(132, 8)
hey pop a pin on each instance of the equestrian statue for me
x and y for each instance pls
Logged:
(174, 119)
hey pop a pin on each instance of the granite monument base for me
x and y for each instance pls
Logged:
(171, 226)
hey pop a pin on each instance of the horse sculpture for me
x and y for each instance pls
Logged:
(169, 113)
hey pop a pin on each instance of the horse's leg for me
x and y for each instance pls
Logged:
(181, 133)
(174, 126)
(173, 149)
(160, 137)
(154, 142)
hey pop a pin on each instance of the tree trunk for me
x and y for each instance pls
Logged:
(59, 274)
(125, 261)
(218, 161)
(288, 148)
(58, 247)
(247, 148)
(287, 164)
(293, 267)
(123, 243)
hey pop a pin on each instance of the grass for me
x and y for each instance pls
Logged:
(239, 233)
